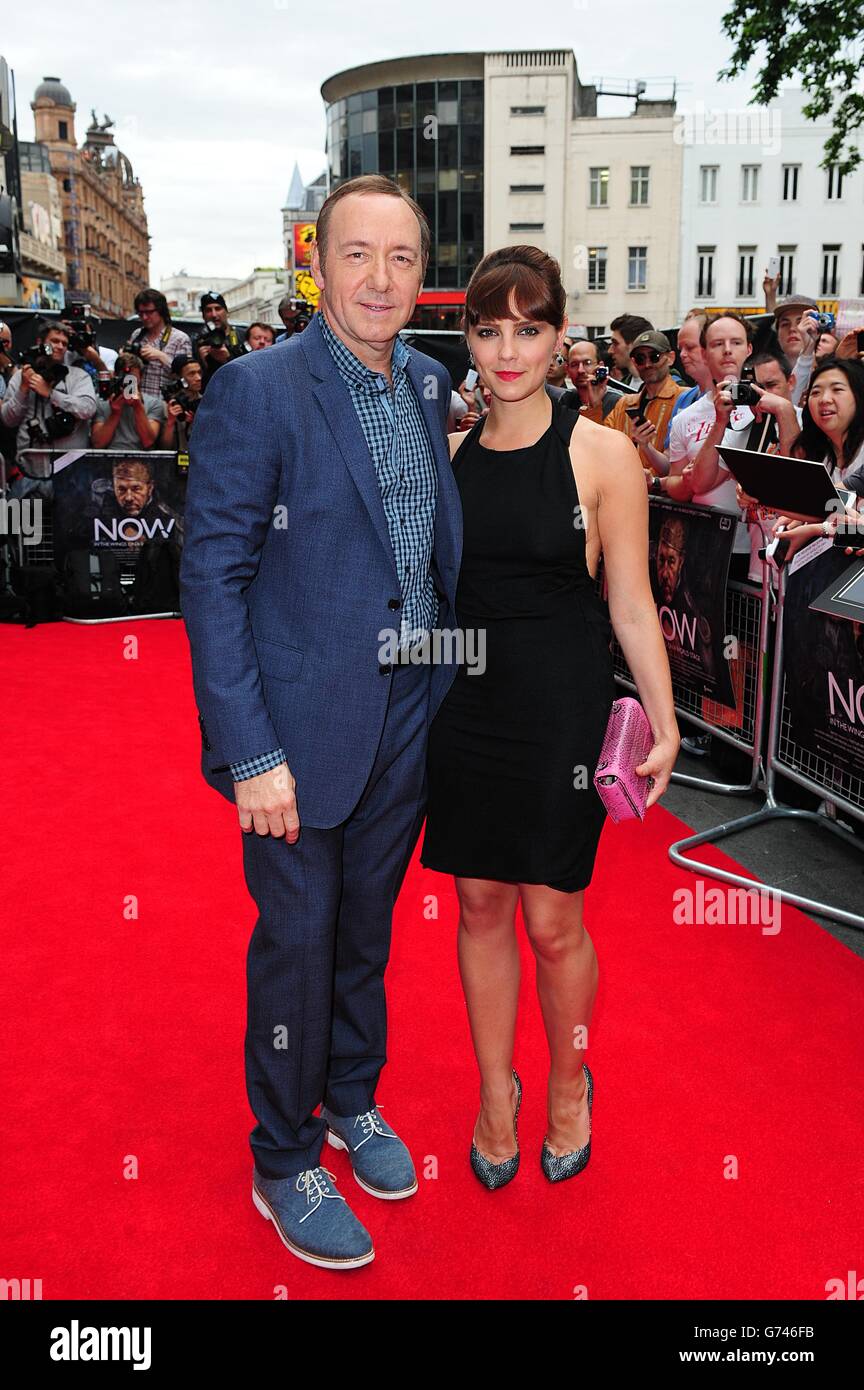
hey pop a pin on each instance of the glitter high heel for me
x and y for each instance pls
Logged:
(557, 1167)
(491, 1174)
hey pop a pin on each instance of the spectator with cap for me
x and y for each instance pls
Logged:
(652, 355)
(157, 341)
(219, 340)
(180, 410)
(797, 331)
(596, 398)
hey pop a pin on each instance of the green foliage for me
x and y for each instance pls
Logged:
(819, 44)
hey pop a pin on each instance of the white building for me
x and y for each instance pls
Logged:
(184, 292)
(752, 188)
(256, 299)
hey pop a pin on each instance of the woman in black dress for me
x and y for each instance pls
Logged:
(512, 810)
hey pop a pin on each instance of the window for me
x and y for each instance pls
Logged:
(787, 269)
(596, 267)
(639, 185)
(749, 183)
(708, 183)
(835, 183)
(63, 130)
(637, 267)
(746, 259)
(527, 188)
(527, 149)
(598, 188)
(67, 185)
(705, 271)
(830, 268)
(526, 226)
(790, 182)
(527, 110)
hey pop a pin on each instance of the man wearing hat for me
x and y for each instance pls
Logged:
(215, 315)
(652, 358)
(797, 332)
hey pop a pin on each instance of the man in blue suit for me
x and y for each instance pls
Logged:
(323, 536)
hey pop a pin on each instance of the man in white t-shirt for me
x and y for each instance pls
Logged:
(696, 473)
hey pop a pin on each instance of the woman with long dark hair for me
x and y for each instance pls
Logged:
(832, 432)
(512, 812)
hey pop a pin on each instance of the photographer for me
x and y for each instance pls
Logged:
(156, 342)
(219, 341)
(589, 379)
(295, 314)
(182, 398)
(82, 325)
(258, 336)
(126, 419)
(51, 405)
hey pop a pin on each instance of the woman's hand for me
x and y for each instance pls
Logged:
(658, 766)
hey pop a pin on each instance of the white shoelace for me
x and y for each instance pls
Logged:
(371, 1123)
(313, 1184)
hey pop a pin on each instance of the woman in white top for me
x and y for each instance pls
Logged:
(832, 431)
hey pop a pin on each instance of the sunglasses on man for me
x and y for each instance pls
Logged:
(646, 356)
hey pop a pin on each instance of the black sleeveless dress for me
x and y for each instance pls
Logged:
(513, 747)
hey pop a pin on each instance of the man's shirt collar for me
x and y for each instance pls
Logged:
(356, 371)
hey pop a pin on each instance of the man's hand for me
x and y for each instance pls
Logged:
(220, 354)
(643, 434)
(40, 385)
(770, 286)
(150, 353)
(268, 804)
(848, 345)
(117, 402)
(809, 330)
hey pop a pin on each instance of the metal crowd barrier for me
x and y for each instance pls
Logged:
(42, 553)
(840, 791)
(747, 619)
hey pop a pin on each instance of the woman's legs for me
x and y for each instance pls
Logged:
(566, 986)
(489, 966)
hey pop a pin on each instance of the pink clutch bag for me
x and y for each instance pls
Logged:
(626, 745)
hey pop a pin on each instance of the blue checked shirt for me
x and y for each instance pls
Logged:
(395, 432)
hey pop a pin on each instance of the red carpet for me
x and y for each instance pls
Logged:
(708, 1041)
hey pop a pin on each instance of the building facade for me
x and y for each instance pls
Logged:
(498, 148)
(43, 261)
(299, 215)
(183, 292)
(106, 243)
(752, 188)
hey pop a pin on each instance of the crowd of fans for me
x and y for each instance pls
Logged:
(68, 392)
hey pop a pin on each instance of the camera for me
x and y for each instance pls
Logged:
(601, 372)
(42, 360)
(825, 322)
(743, 392)
(83, 324)
(43, 432)
(212, 338)
(176, 391)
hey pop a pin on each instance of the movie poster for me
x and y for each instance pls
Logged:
(304, 237)
(41, 294)
(689, 552)
(118, 533)
(824, 664)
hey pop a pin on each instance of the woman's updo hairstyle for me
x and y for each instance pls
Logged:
(525, 273)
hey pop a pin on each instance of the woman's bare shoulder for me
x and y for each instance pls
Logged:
(454, 440)
(590, 438)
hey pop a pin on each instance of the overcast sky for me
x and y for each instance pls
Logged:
(214, 101)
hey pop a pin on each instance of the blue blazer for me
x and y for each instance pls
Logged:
(287, 570)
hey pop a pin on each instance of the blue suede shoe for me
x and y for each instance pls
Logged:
(381, 1163)
(313, 1219)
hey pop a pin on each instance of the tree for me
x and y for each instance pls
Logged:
(818, 42)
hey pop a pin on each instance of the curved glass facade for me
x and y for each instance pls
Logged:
(428, 137)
